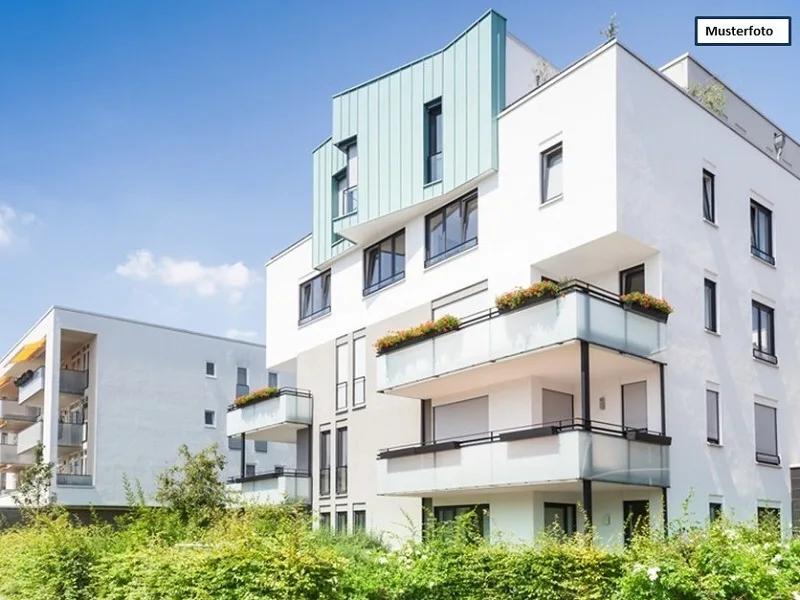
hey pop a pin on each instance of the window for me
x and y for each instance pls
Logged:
(552, 173)
(560, 516)
(631, 280)
(347, 183)
(341, 461)
(325, 521)
(272, 379)
(250, 470)
(261, 446)
(479, 515)
(210, 418)
(315, 297)
(433, 141)
(359, 371)
(769, 517)
(341, 521)
(241, 375)
(714, 511)
(764, 333)
(637, 518)
(234, 443)
(712, 417)
(211, 369)
(451, 229)
(767, 435)
(341, 376)
(761, 232)
(385, 262)
(711, 305)
(325, 463)
(708, 197)
(359, 521)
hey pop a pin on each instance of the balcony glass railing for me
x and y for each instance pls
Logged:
(290, 407)
(70, 382)
(534, 455)
(73, 479)
(277, 485)
(69, 434)
(582, 312)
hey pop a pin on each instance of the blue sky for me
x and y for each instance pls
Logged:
(154, 154)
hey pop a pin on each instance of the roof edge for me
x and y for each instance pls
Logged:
(415, 61)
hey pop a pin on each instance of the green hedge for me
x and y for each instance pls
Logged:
(271, 553)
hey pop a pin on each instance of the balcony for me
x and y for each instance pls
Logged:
(10, 457)
(542, 455)
(71, 383)
(14, 417)
(497, 345)
(70, 436)
(273, 419)
(73, 479)
(274, 487)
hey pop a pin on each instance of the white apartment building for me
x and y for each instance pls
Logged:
(109, 397)
(481, 168)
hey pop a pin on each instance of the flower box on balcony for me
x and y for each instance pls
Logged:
(406, 337)
(524, 297)
(647, 305)
(262, 394)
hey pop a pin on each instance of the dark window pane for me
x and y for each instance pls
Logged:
(471, 220)
(436, 234)
(400, 253)
(452, 226)
(373, 267)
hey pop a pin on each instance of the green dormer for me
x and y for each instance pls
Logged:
(406, 138)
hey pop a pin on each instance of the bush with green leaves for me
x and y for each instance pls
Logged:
(193, 549)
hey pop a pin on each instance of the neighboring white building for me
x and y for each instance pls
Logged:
(466, 174)
(109, 397)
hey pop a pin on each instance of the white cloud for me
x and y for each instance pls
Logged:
(205, 280)
(9, 217)
(239, 334)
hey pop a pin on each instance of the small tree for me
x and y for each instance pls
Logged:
(193, 489)
(33, 485)
(610, 32)
(711, 95)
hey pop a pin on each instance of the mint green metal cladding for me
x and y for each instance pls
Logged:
(387, 117)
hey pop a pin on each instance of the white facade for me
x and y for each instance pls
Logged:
(635, 147)
(126, 396)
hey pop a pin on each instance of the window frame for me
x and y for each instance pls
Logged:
(359, 520)
(758, 347)
(571, 510)
(261, 446)
(325, 519)
(341, 522)
(213, 413)
(625, 274)
(716, 440)
(396, 275)
(544, 172)
(323, 277)
(709, 204)
(710, 311)
(359, 364)
(342, 460)
(766, 458)
(464, 244)
(341, 363)
(325, 462)
(213, 373)
(715, 511)
(246, 371)
(432, 138)
(237, 442)
(250, 469)
(766, 255)
(481, 513)
(270, 376)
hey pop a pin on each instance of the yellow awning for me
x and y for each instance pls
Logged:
(28, 351)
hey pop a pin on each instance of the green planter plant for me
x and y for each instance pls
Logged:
(528, 296)
(405, 337)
